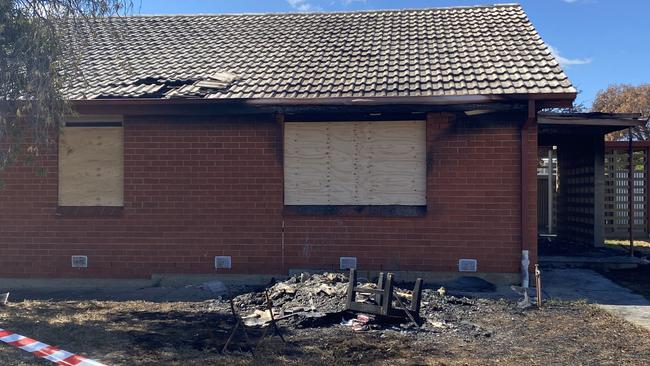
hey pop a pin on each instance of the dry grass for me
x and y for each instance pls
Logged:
(642, 246)
(178, 333)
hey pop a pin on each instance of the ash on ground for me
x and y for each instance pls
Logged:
(303, 300)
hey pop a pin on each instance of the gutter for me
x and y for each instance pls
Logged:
(417, 100)
(592, 119)
(546, 100)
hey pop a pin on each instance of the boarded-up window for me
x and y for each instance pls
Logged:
(91, 165)
(355, 163)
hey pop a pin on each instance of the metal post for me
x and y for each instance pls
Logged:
(549, 225)
(538, 285)
(646, 192)
(630, 190)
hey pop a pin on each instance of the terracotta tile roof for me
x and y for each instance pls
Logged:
(460, 51)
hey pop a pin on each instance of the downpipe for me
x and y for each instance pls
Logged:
(525, 253)
(525, 265)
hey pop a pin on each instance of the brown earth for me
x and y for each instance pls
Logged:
(460, 332)
(636, 279)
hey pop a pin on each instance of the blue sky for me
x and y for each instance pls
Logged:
(599, 42)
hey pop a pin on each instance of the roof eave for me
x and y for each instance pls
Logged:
(544, 100)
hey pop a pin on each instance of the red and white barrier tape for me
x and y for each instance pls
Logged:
(42, 350)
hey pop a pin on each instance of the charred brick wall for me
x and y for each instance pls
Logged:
(197, 188)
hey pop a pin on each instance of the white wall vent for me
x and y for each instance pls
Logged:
(223, 262)
(79, 261)
(467, 265)
(348, 262)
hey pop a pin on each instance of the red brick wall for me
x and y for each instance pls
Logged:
(195, 189)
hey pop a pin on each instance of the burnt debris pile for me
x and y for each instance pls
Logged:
(302, 300)
(319, 300)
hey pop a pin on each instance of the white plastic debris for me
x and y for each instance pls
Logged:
(358, 324)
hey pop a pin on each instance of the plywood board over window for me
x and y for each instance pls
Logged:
(355, 163)
(91, 165)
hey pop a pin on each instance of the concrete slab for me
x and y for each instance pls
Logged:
(158, 288)
(637, 314)
(584, 284)
(156, 280)
(593, 262)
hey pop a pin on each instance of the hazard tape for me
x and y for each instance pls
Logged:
(42, 350)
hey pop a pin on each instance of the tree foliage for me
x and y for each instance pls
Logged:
(624, 98)
(35, 62)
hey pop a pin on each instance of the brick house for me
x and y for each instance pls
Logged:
(261, 144)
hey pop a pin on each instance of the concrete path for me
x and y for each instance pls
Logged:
(584, 284)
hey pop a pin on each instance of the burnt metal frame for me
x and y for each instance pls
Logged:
(241, 325)
(383, 294)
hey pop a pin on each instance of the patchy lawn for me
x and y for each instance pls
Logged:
(184, 333)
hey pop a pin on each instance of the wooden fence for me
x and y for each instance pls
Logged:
(617, 186)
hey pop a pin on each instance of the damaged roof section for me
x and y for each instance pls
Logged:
(157, 87)
(593, 119)
(458, 51)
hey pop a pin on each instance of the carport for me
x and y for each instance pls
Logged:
(571, 174)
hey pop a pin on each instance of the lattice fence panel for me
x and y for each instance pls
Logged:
(617, 193)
